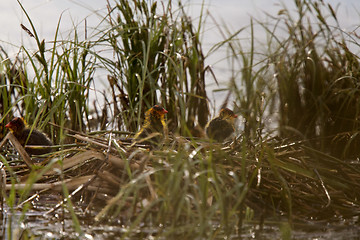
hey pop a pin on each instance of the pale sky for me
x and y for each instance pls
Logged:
(46, 13)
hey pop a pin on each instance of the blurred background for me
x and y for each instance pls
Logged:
(234, 14)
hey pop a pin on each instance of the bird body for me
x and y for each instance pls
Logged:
(221, 127)
(29, 136)
(154, 125)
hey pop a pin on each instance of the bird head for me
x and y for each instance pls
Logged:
(154, 114)
(159, 110)
(227, 114)
(16, 125)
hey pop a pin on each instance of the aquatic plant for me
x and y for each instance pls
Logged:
(187, 187)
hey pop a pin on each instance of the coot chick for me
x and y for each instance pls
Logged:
(18, 127)
(221, 127)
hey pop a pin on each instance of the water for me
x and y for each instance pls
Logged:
(59, 227)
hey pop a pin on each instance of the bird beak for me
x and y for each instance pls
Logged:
(8, 125)
(164, 111)
(235, 116)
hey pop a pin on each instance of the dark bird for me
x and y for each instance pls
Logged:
(222, 126)
(154, 126)
(27, 136)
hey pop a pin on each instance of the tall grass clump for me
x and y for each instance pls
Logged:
(313, 93)
(157, 58)
(50, 83)
(317, 74)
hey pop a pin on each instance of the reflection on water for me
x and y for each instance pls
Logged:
(60, 226)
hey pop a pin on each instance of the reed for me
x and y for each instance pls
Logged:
(157, 59)
(316, 79)
(188, 187)
(51, 84)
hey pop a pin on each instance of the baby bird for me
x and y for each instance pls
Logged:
(154, 125)
(18, 127)
(222, 126)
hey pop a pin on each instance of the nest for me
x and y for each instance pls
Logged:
(271, 177)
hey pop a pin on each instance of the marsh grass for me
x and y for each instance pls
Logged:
(316, 74)
(188, 187)
(56, 76)
(158, 58)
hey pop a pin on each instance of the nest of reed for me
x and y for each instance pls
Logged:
(269, 177)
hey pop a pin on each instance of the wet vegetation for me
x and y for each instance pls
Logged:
(300, 168)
